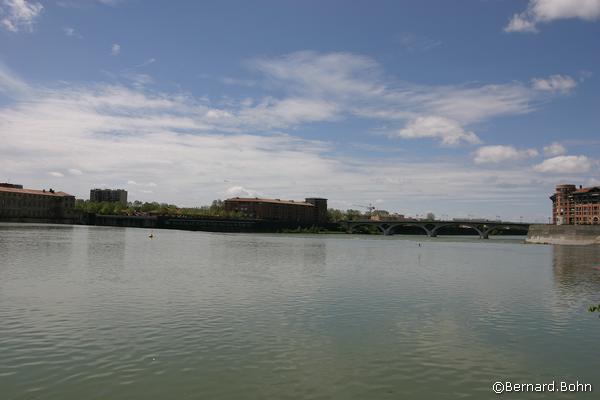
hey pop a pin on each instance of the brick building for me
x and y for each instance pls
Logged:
(110, 195)
(576, 206)
(312, 211)
(17, 203)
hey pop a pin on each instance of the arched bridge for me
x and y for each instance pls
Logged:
(431, 228)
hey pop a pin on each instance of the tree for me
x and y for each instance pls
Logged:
(217, 205)
(380, 212)
(354, 215)
(147, 207)
(334, 215)
(106, 208)
(430, 216)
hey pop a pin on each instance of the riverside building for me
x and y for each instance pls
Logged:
(18, 203)
(312, 211)
(576, 206)
(110, 195)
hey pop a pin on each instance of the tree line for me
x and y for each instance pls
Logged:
(216, 209)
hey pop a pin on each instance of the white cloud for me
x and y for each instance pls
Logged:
(544, 11)
(19, 15)
(138, 79)
(56, 174)
(105, 132)
(11, 84)
(520, 23)
(554, 83)
(69, 31)
(227, 80)
(115, 49)
(448, 131)
(75, 171)
(240, 191)
(414, 42)
(195, 150)
(134, 183)
(145, 63)
(565, 165)
(317, 74)
(358, 85)
(351, 85)
(473, 103)
(554, 149)
(499, 153)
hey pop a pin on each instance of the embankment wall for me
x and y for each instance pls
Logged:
(564, 234)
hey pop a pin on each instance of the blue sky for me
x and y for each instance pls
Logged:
(470, 108)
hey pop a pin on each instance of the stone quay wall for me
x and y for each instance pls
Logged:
(564, 234)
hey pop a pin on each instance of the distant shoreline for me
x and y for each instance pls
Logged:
(332, 229)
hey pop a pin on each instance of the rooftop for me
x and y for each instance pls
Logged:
(32, 191)
(587, 189)
(272, 201)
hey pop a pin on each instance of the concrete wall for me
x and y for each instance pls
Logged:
(564, 234)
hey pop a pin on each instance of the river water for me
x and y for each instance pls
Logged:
(108, 313)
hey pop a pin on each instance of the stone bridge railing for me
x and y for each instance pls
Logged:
(431, 228)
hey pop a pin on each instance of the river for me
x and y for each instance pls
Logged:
(108, 313)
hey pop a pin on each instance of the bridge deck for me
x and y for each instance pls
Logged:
(431, 228)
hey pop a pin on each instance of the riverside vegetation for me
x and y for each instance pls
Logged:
(215, 209)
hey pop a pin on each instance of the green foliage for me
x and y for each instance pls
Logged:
(216, 209)
(104, 207)
(380, 212)
(352, 215)
(335, 215)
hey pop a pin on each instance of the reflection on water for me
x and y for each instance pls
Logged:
(107, 245)
(91, 312)
(577, 268)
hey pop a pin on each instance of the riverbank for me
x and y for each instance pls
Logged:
(564, 234)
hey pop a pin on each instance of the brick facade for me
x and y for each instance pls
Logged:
(17, 202)
(572, 206)
(313, 211)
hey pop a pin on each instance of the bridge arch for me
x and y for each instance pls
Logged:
(506, 227)
(390, 229)
(482, 234)
(352, 226)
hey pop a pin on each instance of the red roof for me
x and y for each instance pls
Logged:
(587, 189)
(32, 191)
(272, 201)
